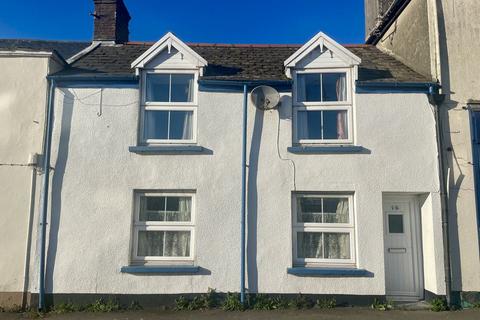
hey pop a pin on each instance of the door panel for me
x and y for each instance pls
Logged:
(401, 274)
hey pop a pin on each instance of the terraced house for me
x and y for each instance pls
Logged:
(167, 172)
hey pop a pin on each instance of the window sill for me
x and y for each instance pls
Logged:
(185, 149)
(172, 269)
(329, 272)
(327, 149)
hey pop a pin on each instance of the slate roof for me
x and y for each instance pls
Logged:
(65, 49)
(243, 62)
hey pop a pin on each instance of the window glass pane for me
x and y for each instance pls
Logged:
(308, 87)
(156, 125)
(309, 125)
(335, 210)
(164, 243)
(337, 245)
(334, 87)
(158, 87)
(181, 123)
(178, 209)
(152, 209)
(150, 243)
(395, 223)
(177, 244)
(309, 209)
(335, 124)
(309, 245)
(182, 87)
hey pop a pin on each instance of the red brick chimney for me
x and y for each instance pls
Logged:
(111, 20)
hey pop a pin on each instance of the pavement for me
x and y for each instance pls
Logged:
(317, 314)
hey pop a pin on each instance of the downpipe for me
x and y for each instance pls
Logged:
(244, 194)
(44, 197)
(436, 100)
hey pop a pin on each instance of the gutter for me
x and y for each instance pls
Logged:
(96, 77)
(392, 87)
(386, 21)
(44, 196)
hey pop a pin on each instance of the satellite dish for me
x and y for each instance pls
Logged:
(265, 97)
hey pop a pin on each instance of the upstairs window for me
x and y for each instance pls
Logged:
(169, 110)
(321, 87)
(322, 107)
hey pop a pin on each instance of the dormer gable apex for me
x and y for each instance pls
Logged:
(167, 42)
(324, 43)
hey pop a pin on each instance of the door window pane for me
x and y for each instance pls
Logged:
(158, 87)
(395, 223)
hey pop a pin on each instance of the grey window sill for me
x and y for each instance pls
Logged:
(328, 272)
(327, 149)
(161, 269)
(186, 149)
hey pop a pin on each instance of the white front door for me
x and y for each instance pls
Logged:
(402, 251)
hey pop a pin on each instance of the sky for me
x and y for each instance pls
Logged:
(212, 21)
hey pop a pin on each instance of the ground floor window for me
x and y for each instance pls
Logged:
(163, 226)
(323, 230)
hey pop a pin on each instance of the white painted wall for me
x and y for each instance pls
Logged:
(23, 89)
(95, 176)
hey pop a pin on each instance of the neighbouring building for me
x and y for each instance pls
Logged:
(439, 39)
(23, 94)
(145, 200)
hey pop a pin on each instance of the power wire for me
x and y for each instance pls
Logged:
(286, 159)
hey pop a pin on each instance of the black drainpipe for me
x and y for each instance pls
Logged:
(436, 99)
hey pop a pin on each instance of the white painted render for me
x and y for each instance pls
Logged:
(23, 88)
(95, 177)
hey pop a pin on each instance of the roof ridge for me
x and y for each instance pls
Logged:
(43, 40)
(246, 45)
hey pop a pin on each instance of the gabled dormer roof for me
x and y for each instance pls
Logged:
(167, 42)
(322, 45)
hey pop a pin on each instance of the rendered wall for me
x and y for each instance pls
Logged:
(95, 176)
(22, 106)
(408, 37)
(459, 48)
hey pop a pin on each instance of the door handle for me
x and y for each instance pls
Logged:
(397, 250)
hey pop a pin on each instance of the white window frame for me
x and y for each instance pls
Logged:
(325, 105)
(326, 228)
(162, 226)
(168, 106)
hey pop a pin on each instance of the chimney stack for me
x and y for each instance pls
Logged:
(111, 20)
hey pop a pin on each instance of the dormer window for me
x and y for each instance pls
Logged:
(324, 75)
(322, 106)
(169, 72)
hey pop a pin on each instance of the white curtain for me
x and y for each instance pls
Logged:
(337, 245)
(341, 88)
(342, 211)
(310, 245)
(342, 125)
(176, 244)
(187, 126)
(302, 125)
(190, 89)
(183, 213)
